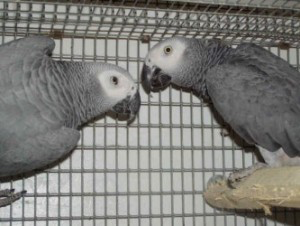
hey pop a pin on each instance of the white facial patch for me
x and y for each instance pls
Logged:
(116, 85)
(167, 61)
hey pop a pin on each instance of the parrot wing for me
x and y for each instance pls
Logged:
(18, 50)
(257, 94)
(36, 152)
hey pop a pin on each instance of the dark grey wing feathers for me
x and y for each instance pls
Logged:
(263, 60)
(258, 95)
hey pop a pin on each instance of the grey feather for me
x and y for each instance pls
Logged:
(256, 92)
(20, 49)
(43, 102)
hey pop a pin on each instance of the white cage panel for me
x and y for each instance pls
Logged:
(154, 171)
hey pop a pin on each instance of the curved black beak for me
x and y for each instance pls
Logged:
(129, 106)
(154, 79)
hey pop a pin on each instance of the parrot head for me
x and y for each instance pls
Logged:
(172, 61)
(119, 93)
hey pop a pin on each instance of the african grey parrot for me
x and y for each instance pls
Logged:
(256, 92)
(43, 102)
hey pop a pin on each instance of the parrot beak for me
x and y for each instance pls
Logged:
(154, 79)
(134, 106)
(129, 106)
(146, 78)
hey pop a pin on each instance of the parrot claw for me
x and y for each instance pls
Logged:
(239, 175)
(224, 132)
(8, 196)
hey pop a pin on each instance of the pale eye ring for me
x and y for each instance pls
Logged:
(114, 80)
(168, 50)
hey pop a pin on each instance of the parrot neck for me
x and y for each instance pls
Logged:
(212, 53)
(78, 84)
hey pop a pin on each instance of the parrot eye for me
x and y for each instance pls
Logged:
(114, 80)
(168, 50)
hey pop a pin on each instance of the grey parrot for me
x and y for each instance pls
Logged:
(44, 102)
(256, 92)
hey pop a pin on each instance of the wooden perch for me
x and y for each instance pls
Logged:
(265, 188)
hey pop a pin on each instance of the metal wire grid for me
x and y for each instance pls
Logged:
(264, 26)
(276, 4)
(185, 4)
(151, 173)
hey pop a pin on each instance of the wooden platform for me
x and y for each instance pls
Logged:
(265, 188)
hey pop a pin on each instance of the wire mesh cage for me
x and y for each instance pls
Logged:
(154, 171)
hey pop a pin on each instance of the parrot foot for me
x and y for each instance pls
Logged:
(239, 175)
(215, 180)
(8, 196)
(224, 132)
